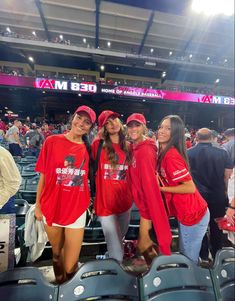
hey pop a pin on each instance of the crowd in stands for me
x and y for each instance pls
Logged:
(61, 40)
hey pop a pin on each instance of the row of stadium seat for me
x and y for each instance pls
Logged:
(169, 278)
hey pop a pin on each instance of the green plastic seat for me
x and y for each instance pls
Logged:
(176, 278)
(26, 284)
(223, 274)
(100, 280)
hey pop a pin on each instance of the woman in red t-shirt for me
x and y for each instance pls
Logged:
(63, 194)
(145, 190)
(113, 197)
(183, 199)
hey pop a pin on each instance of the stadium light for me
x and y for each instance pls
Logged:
(208, 58)
(109, 44)
(217, 81)
(8, 29)
(84, 40)
(164, 74)
(170, 53)
(30, 58)
(102, 67)
(34, 33)
(214, 7)
(61, 37)
(151, 50)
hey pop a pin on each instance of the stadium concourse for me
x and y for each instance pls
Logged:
(156, 58)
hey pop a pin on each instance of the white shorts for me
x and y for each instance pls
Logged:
(79, 223)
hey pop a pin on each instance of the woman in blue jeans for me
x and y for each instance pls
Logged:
(182, 198)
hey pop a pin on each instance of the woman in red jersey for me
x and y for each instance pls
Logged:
(113, 197)
(63, 194)
(183, 199)
(145, 190)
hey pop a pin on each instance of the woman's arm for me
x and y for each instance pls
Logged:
(184, 187)
(230, 213)
(41, 183)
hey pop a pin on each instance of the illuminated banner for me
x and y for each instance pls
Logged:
(92, 88)
(53, 84)
(167, 95)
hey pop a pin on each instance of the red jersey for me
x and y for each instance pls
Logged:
(65, 196)
(113, 194)
(188, 208)
(146, 192)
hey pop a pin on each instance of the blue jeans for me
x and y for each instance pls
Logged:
(190, 237)
(9, 207)
(115, 228)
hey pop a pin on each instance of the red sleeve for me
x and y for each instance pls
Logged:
(176, 168)
(154, 201)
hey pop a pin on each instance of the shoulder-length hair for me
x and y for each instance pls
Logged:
(108, 146)
(177, 138)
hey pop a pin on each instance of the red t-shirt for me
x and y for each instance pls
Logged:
(188, 208)
(65, 196)
(113, 195)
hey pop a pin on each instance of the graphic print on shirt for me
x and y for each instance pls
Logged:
(69, 175)
(117, 173)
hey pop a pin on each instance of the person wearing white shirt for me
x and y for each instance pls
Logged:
(10, 181)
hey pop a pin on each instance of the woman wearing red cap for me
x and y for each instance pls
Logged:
(146, 191)
(63, 194)
(184, 201)
(113, 197)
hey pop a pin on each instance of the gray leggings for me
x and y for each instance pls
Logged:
(115, 228)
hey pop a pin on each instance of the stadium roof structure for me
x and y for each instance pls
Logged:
(154, 36)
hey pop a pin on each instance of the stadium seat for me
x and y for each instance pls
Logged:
(176, 278)
(26, 283)
(100, 280)
(133, 230)
(21, 206)
(223, 274)
(27, 160)
(93, 233)
(28, 192)
(28, 171)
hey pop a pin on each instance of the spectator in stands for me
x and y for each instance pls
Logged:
(113, 199)
(214, 138)
(34, 139)
(211, 169)
(188, 140)
(183, 199)
(145, 190)
(63, 206)
(10, 181)
(13, 137)
(2, 125)
(229, 146)
(45, 130)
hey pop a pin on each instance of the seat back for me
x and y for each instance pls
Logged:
(133, 229)
(24, 284)
(223, 274)
(28, 171)
(30, 188)
(100, 279)
(176, 278)
(21, 208)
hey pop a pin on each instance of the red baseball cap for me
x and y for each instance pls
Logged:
(136, 117)
(104, 116)
(89, 111)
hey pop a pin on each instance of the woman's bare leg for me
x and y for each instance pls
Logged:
(56, 239)
(72, 247)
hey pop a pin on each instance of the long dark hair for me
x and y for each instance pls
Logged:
(112, 157)
(177, 138)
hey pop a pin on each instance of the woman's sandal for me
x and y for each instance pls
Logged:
(150, 253)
